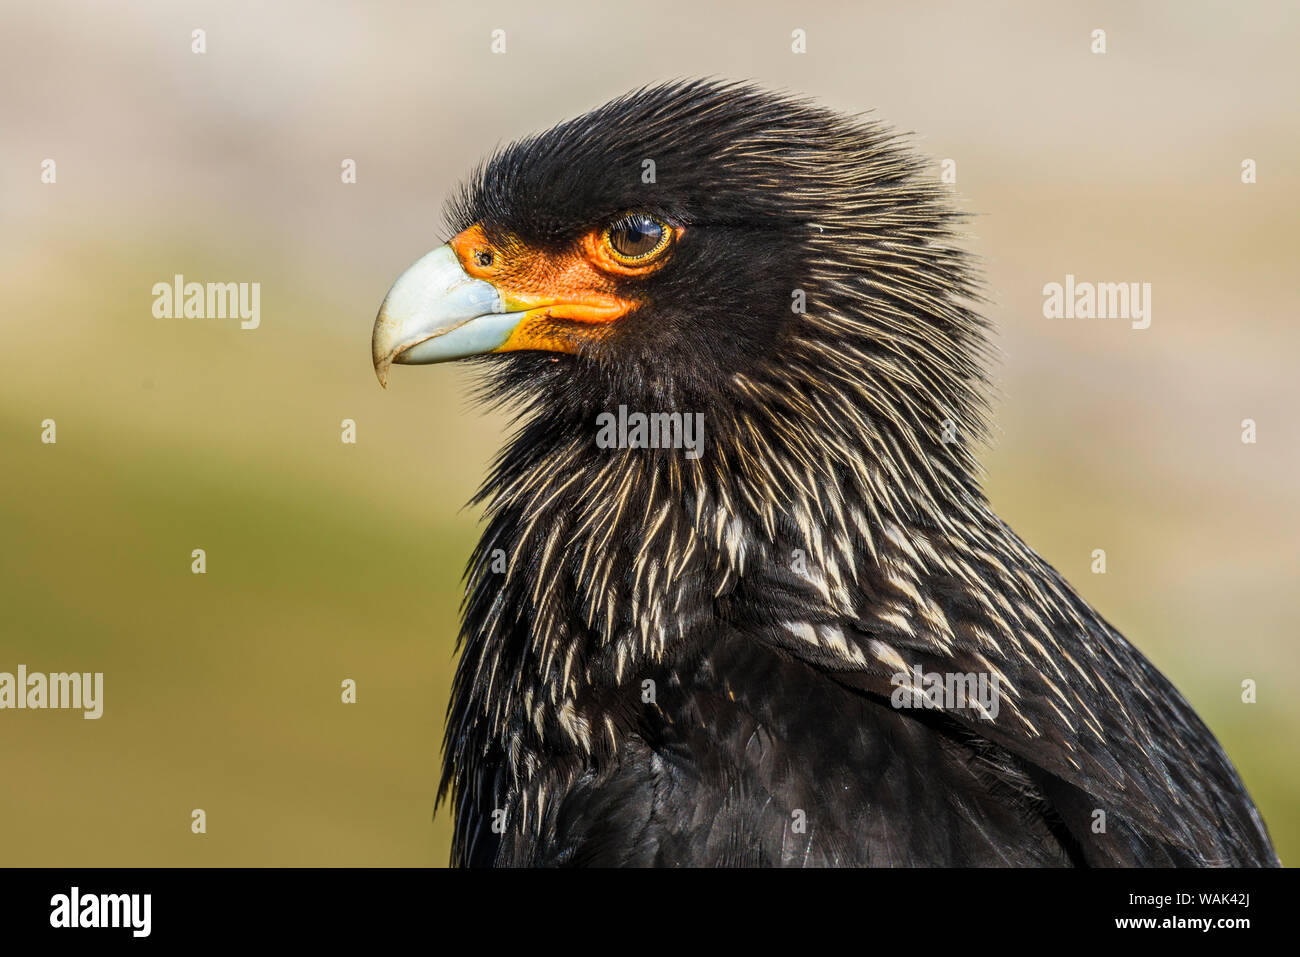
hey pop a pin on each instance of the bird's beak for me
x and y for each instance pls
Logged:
(436, 312)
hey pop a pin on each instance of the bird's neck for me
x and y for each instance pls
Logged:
(599, 565)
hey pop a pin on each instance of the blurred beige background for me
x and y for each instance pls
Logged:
(328, 561)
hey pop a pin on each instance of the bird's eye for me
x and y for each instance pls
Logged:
(636, 237)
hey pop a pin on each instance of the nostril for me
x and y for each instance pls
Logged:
(483, 257)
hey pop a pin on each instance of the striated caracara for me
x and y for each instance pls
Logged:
(804, 639)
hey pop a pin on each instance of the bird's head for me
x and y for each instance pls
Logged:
(704, 247)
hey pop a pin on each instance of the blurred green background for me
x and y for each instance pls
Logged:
(329, 561)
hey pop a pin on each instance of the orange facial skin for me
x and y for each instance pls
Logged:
(567, 297)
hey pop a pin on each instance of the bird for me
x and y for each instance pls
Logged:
(740, 599)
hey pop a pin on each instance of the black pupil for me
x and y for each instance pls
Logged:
(635, 236)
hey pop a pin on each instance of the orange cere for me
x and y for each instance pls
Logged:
(575, 286)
